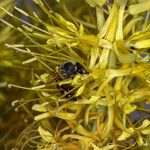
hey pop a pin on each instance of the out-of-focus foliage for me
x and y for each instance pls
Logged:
(7, 4)
(11, 71)
(110, 39)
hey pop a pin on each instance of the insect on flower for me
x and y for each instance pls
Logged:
(69, 70)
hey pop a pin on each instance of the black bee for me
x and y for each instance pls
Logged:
(69, 70)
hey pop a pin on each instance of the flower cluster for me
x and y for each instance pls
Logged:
(111, 41)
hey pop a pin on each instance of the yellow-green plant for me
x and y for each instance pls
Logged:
(5, 33)
(111, 40)
(11, 71)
